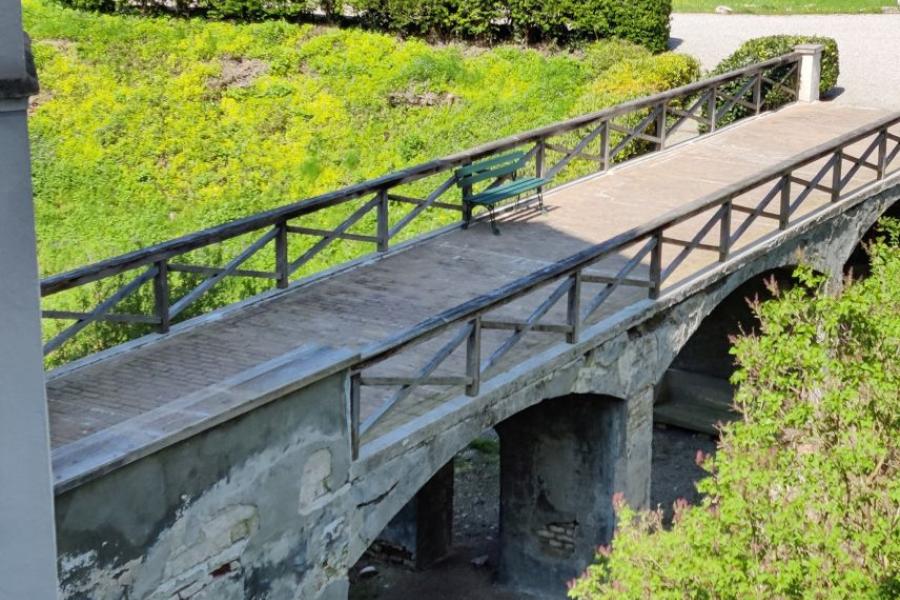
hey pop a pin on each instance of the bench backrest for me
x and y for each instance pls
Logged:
(491, 168)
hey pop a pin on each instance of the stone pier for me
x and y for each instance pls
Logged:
(561, 463)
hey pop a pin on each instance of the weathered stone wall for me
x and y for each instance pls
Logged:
(557, 480)
(254, 508)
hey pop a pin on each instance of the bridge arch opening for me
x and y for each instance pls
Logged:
(857, 265)
(443, 542)
(524, 507)
(695, 393)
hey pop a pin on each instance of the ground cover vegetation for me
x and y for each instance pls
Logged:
(784, 7)
(803, 495)
(150, 128)
(644, 22)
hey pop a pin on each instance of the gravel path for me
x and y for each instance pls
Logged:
(869, 46)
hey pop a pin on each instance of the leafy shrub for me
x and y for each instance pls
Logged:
(803, 495)
(468, 19)
(150, 128)
(765, 48)
(643, 22)
(601, 55)
(630, 79)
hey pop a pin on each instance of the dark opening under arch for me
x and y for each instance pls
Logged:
(857, 266)
(695, 392)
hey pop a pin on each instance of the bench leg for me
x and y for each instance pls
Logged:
(494, 227)
(467, 215)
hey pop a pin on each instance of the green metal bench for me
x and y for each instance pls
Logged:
(504, 171)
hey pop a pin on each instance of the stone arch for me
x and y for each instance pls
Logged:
(693, 391)
(384, 494)
(573, 439)
(856, 262)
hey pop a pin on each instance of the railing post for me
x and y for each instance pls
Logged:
(281, 255)
(473, 358)
(882, 153)
(656, 265)
(574, 309)
(161, 295)
(539, 168)
(383, 234)
(836, 175)
(604, 145)
(810, 71)
(539, 158)
(757, 92)
(355, 391)
(784, 211)
(661, 127)
(725, 232)
(467, 208)
(711, 108)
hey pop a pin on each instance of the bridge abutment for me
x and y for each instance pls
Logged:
(561, 463)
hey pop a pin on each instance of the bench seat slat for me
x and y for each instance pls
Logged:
(502, 192)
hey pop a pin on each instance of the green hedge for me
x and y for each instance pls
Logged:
(764, 48)
(644, 22)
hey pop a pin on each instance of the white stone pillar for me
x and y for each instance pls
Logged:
(810, 71)
(27, 532)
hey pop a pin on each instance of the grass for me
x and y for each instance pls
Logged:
(150, 128)
(785, 7)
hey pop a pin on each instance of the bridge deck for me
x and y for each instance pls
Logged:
(376, 300)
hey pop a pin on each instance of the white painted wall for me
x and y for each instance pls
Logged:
(27, 537)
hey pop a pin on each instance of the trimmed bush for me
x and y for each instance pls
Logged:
(644, 22)
(634, 78)
(803, 496)
(765, 48)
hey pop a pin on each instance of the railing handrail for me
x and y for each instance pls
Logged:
(180, 245)
(507, 293)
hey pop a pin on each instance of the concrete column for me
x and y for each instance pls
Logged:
(422, 533)
(27, 538)
(810, 71)
(561, 463)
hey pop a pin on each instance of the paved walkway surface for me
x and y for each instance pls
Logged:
(374, 301)
(869, 47)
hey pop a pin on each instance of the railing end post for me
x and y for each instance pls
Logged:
(810, 71)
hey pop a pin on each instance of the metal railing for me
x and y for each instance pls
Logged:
(782, 185)
(599, 139)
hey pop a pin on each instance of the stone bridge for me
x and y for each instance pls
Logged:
(258, 450)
